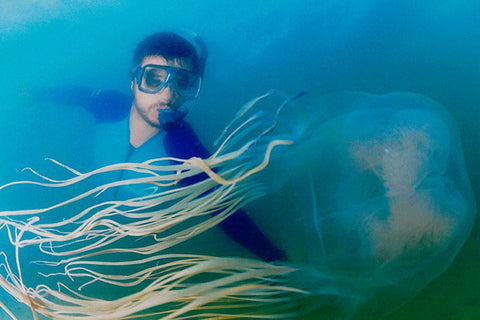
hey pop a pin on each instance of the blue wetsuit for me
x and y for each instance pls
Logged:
(111, 109)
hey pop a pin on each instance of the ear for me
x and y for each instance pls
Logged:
(132, 84)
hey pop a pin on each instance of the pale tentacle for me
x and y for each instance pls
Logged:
(83, 248)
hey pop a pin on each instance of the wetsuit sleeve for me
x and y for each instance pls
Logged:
(181, 142)
(104, 105)
(245, 232)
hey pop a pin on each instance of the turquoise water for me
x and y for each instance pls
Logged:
(430, 48)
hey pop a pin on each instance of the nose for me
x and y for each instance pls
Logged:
(169, 94)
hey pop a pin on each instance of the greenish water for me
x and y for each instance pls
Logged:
(453, 295)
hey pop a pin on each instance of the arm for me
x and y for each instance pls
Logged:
(104, 105)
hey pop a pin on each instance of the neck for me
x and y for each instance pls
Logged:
(140, 130)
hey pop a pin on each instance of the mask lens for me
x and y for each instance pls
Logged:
(153, 79)
(187, 83)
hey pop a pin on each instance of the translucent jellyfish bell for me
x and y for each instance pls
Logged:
(378, 201)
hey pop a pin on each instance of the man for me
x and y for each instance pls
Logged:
(168, 71)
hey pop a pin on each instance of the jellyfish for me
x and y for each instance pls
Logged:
(381, 202)
(367, 194)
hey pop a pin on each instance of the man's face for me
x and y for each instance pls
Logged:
(148, 104)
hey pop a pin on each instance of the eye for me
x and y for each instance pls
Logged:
(186, 80)
(182, 81)
(154, 77)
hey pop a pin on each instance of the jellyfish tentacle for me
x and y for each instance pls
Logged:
(123, 244)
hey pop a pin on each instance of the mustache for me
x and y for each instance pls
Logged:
(161, 105)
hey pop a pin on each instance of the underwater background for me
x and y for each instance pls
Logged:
(427, 47)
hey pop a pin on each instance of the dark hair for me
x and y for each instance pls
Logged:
(170, 46)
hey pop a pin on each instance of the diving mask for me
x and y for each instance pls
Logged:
(152, 78)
